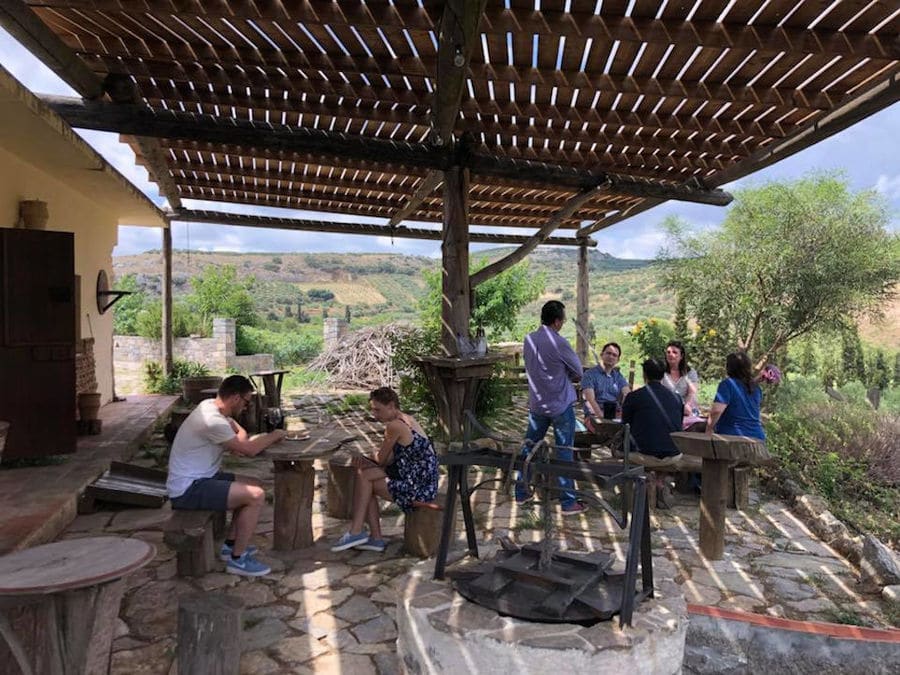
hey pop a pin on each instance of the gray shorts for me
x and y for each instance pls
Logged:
(206, 494)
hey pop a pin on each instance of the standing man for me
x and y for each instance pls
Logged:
(603, 386)
(195, 481)
(551, 366)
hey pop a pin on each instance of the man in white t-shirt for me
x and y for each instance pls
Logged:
(195, 481)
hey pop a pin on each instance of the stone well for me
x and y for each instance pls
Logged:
(439, 631)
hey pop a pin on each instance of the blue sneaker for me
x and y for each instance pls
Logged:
(247, 566)
(348, 540)
(377, 545)
(225, 551)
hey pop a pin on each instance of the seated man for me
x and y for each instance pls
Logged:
(603, 386)
(653, 411)
(195, 481)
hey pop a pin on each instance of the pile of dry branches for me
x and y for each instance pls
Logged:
(362, 359)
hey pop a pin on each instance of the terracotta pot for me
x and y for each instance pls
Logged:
(4, 428)
(34, 214)
(88, 406)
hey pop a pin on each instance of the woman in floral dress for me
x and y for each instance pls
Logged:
(404, 470)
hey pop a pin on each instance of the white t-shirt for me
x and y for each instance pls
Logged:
(197, 450)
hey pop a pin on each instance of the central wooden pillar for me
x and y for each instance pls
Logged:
(456, 305)
(581, 299)
(167, 300)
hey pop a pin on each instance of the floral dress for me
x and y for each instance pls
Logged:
(417, 469)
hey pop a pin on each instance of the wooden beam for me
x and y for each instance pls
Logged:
(884, 93)
(167, 354)
(23, 24)
(456, 305)
(426, 187)
(456, 40)
(582, 300)
(303, 225)
(537, 238)
(137, 120)
(522, 19)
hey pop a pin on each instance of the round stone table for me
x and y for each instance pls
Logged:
(59, 603)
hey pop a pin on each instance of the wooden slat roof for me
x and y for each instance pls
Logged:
(677, 93)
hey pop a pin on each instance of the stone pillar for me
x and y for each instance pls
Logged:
(333, 330)
(225, 339)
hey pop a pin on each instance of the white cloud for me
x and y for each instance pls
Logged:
(889, 186)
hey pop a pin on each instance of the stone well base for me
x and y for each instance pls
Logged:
(442, 632)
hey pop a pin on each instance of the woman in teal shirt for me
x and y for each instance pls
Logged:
(736, 407)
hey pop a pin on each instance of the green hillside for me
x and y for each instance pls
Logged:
(388, 287)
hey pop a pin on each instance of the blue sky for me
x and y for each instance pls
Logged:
(868, 154)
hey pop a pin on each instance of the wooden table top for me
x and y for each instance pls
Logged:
(721, 447)
(71, 564)
(321, 442)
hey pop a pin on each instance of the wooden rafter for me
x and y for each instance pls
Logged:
(21, 22)
(136, 120)
(538, 238)
(879, 97)
(428, 185)
(765, 39)
(222, 218)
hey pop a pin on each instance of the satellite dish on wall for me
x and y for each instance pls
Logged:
(106, 298)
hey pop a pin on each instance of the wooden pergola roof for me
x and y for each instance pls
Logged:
(563, 111)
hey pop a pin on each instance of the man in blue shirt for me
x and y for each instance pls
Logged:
(603, 385)
(551, 366)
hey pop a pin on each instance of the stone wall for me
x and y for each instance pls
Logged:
(217, 353)
(333, 330)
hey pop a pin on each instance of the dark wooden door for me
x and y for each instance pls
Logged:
(37, 341)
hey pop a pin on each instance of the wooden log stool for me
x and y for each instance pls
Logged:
(341, 483)
(209, 633)
(193, 536)
(422, 527)
(59, 603)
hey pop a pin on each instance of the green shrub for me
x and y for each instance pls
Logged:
(287, 348)
(844, 451)
(155, 381)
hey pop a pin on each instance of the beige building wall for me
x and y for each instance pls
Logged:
(96, 233)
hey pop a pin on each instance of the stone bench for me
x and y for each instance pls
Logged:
(193, 536)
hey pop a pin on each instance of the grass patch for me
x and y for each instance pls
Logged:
(529, 520)
(848, 617)
(22, 462)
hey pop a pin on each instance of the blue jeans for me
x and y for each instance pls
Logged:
(564, 435)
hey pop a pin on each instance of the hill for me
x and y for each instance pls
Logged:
(380, 287)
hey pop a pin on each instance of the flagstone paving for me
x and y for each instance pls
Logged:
(324, 612)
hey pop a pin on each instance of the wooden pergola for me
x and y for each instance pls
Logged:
(561, 117)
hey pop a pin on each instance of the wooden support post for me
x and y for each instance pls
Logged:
(582, 292)
(341, 483)
(739, 495)
(456, 309)
(209, 634)
(294, 486)
(712, 508)
(167, 357)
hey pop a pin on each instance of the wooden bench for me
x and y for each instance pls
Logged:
(422, 527)
(193, 535)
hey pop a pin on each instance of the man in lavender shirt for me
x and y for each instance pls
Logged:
(552, 367)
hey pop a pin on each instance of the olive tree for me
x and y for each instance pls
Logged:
(790, 257)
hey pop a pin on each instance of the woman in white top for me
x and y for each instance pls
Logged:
(680, 378)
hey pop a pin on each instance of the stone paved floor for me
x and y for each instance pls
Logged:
(323, 612)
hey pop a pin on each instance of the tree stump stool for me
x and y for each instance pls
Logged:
(341, 484)
(209, 633)
(193, 536)
(295, 482)
(59, 603)
(422, 527)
